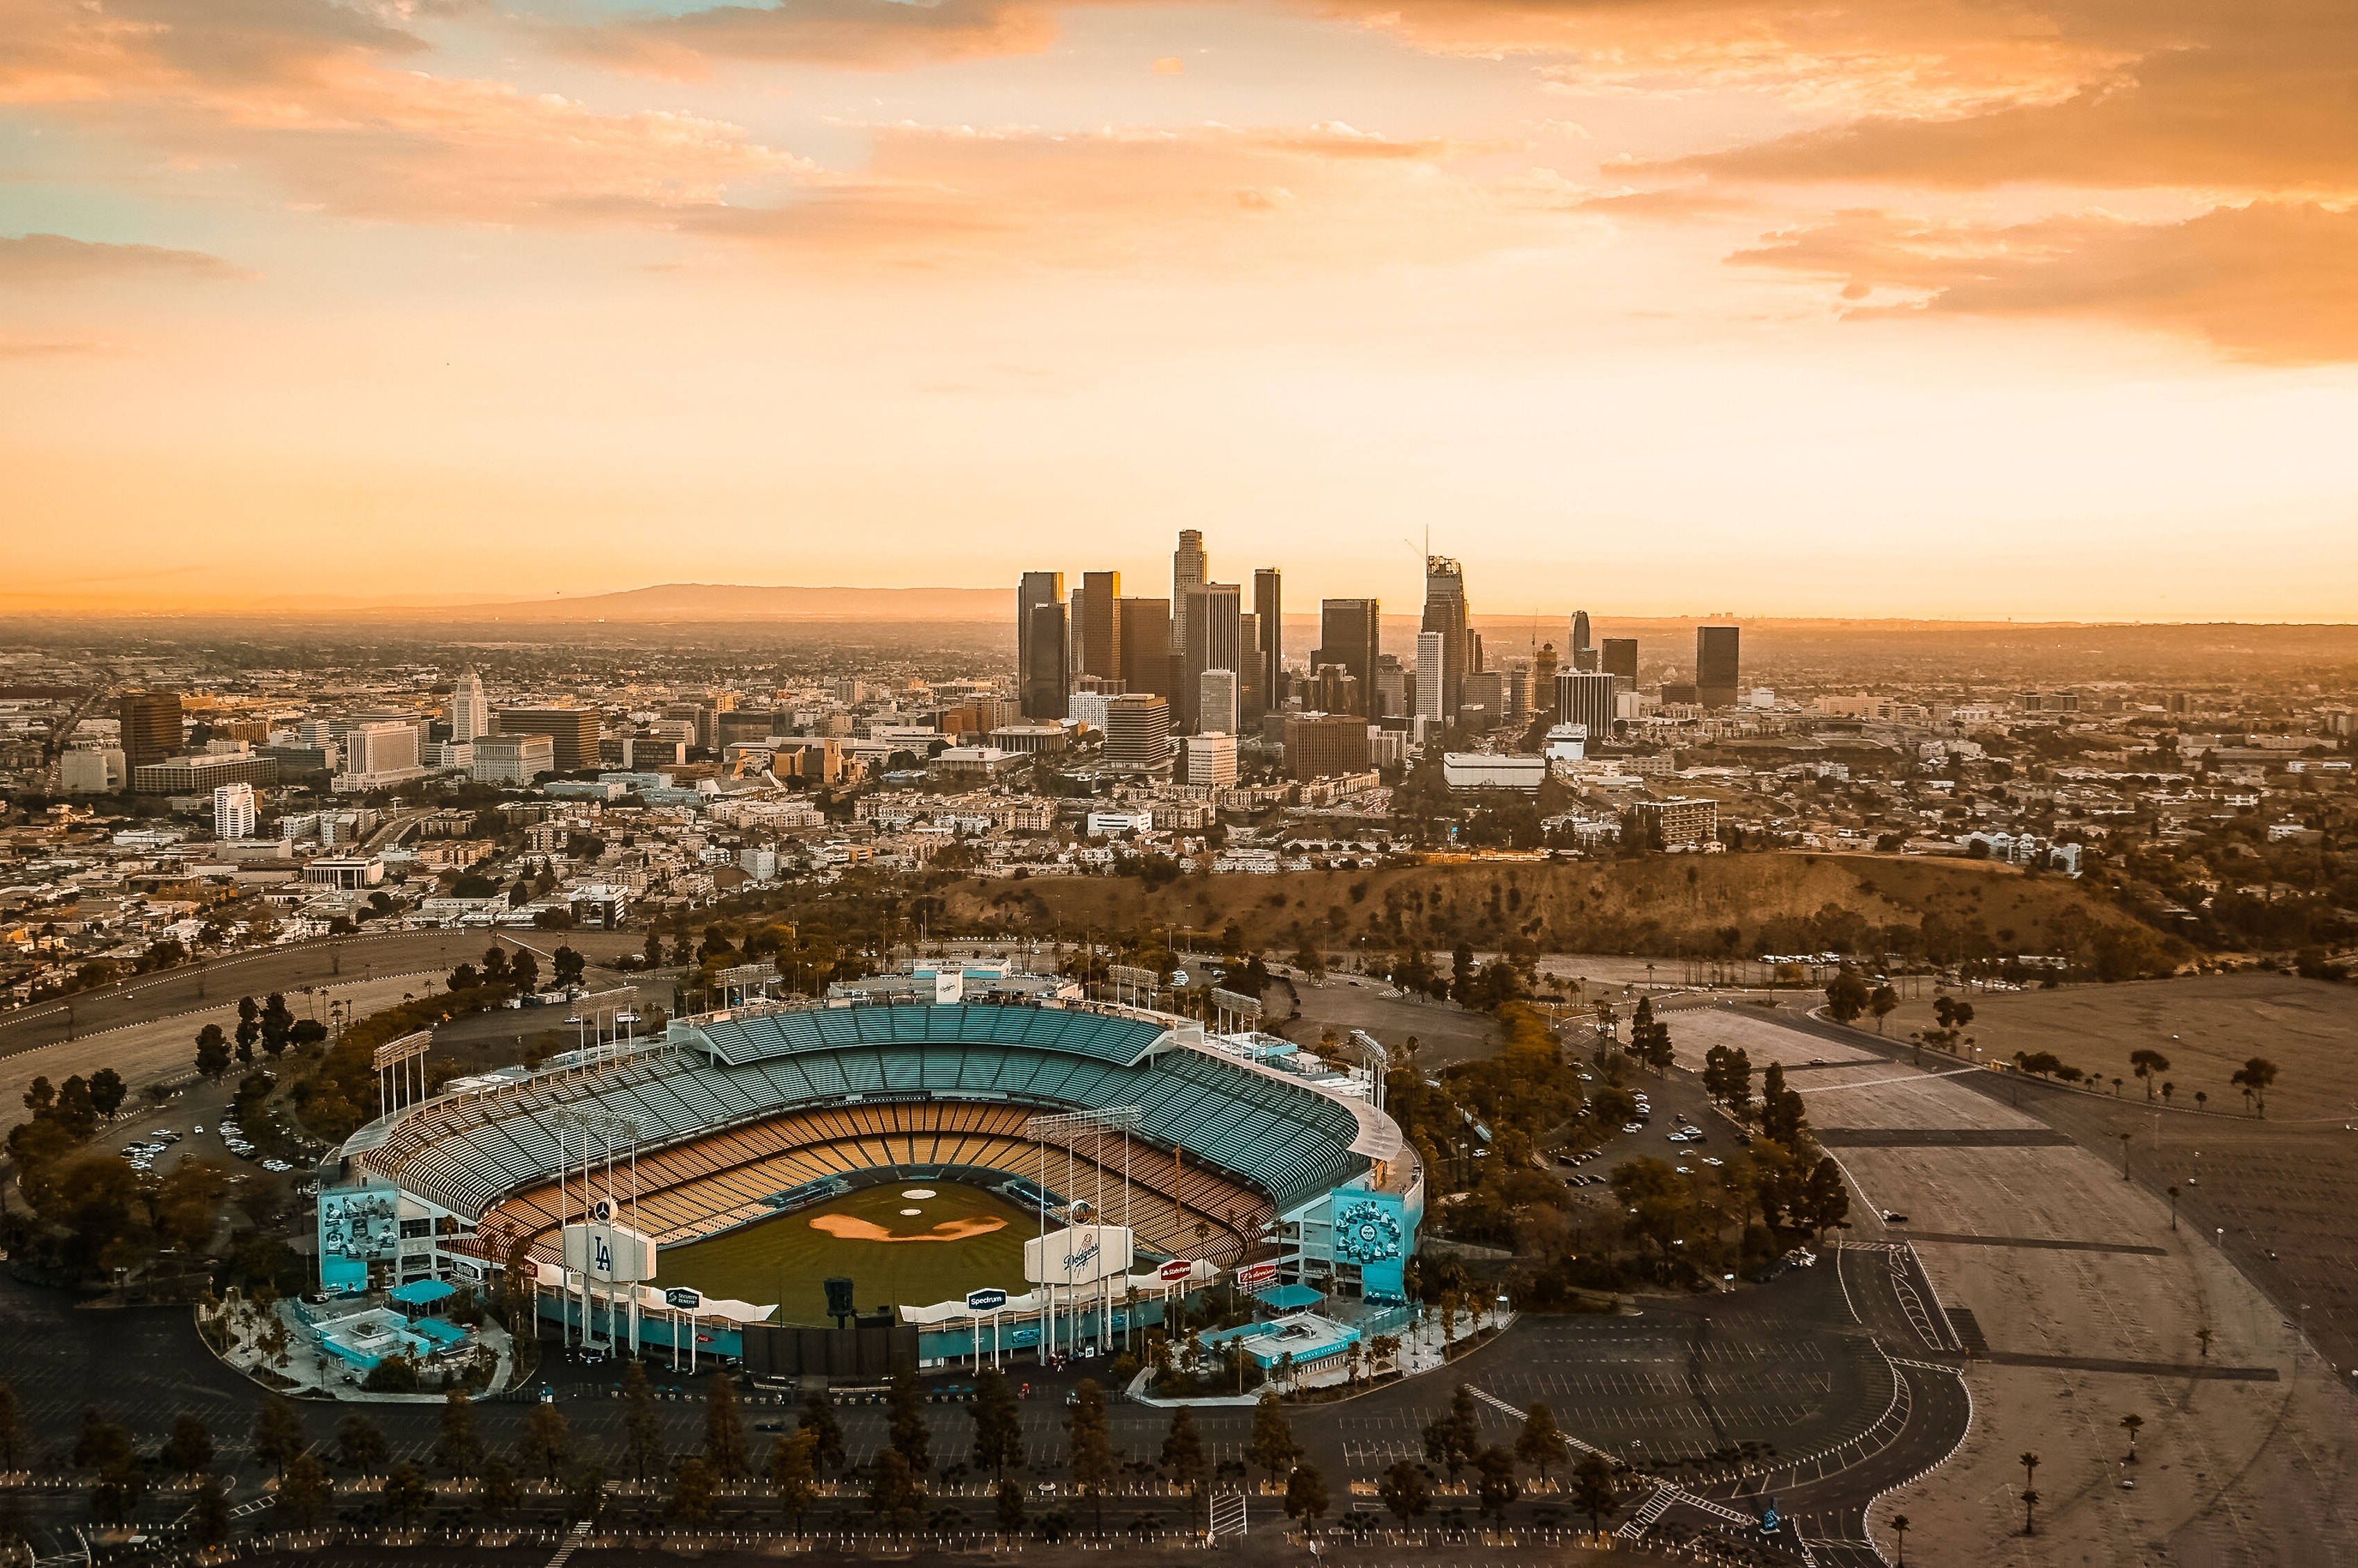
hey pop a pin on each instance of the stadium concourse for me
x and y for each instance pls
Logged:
(1227, 1152)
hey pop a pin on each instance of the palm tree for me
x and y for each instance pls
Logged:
(1900, 1528)
(2130, 1424)
(2030, 1462)
(2201, 1099)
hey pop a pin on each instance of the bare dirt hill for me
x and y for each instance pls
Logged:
(1671, 905)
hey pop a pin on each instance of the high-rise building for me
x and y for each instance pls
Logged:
(1268, 610)
(1620, 660)
(384, 746)
(470, 711)
(1098, 633)
(1432, 682)
(1445, 614)
(1390, 699)
(1350, 634)
(1210, 759)
(233, 811)
(1543, 680)
(151, 726)
(572, 733)
(1584, 652)
(1040, 667)
(1486, 691)
(1213, 615)
(1189, 568)
(1715, 666)
(1145, 634)
(1320, 745)
(1586, 697)
(1137, 732)
(1252, 694)
(1218, 705)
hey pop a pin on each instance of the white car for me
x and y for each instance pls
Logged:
(1713, 1160)
(1633, 1127)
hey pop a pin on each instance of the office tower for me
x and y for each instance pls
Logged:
(1137, 732)
(1715, 666)
(1050, 687)
(233, 811)
(515, 759)
(1189, 568)
(1620, 660)
(1349, 634)
(572, 733)
(1390, 698)
(1213, 615)
(1210, 759)
(1269, 610)
(1543, 680)
(92, 771)
(1098, 631)
(1431, 664)
(1488, 691)
(151, 726)
(470, 711)
(1586, 697)
(1252, 697)
(1584, 652)
(1040, 673)
(1145, 628)
(1517, 678)
(1332, 689)
(1445, 613)
(1218, 705)
(390, 746)
(1320, 745)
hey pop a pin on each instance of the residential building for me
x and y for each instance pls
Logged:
(233, 813)
(1320, 745)
(150, 723)
(572, 733)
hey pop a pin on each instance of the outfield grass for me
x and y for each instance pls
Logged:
(784, 1259)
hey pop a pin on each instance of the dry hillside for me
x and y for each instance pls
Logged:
(1668, 905)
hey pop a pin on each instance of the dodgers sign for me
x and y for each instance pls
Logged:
(1079, 1255)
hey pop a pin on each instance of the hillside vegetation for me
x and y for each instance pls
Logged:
(1703, 906)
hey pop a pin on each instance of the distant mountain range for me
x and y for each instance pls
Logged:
(729, 601)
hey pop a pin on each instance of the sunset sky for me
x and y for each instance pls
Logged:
(1661, 307)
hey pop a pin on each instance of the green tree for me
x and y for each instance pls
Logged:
(1090, 1444)
(2147, 1065)
(501, 1491)
(896, 1496)
(190, 1447)
(360, 1445)
(1883, 1002)
(724, 1429)
(1305, 1493)
(1499, 1487)
(910, 1436)
(106, 1092)
(1183, 1455)
(585, 1500)
(691, 1492)
(212, 1053)
(406, 1491)
(456, 1446)
(278, 1434)
(1010, 1496)
(2254, 1078)
(2132, 1424)
(998, 1422)
(1846, 998)
(1541, 1442)
(1826, 1199)
(547, 1442)
(1452, 1440)
(642, 1434)
(1272, 1446)
(209, 1519)
(794, 1475)
(817, 1418)
(102, 1444)
(1594, 1491)
(1404, 1491)
(304, 1493)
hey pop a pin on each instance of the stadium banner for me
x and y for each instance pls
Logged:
(1253, 1276)
(1176, 1270)
(401, 1050)
(985, 1300)
(1080, 1255)
(609, 1254)
(357, 1226)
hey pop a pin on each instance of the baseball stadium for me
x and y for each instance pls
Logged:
(931, 1142)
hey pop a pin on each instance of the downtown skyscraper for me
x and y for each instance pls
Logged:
(1043, 646)
(1445, 615)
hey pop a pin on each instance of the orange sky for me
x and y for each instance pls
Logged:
(1917, 306)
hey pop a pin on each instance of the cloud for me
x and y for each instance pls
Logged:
(2267, 282)
(1171, 65)
(30, 259)
(859, 34)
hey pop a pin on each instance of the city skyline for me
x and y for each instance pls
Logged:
(1928, 311)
